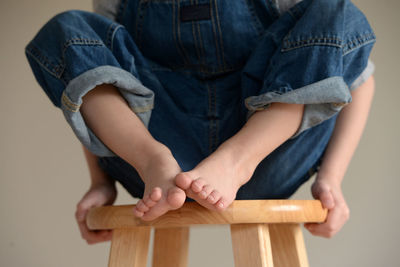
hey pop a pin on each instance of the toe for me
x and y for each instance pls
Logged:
(156, 194)
(175, 197)
(140, 206)
(213, 197)
(220, 205)
(138, 213)
(183, 180)
(197, 185)
(149, 202)
(205, 192)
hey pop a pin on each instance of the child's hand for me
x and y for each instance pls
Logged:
(330, 194)
(98, 195)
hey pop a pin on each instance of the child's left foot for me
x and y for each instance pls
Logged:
(214, 182)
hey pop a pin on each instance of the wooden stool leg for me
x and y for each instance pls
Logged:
(251, 245)
(171, 247)
(288, 245)
(129, 247)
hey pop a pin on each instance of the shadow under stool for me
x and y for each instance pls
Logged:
(265, 233)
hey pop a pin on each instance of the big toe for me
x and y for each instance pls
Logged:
(176, 197)
(183, 180)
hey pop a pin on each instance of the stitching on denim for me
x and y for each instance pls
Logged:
(113, 36)
(71, 106)
(160, 1)
(255, 21)
(329, 41)
(77, 41)
(139, 21)
(174, 31)
(325, 41)
(203, 58)
(142, 109)
(186, 57)
(200, 69)
(110, 35)
(220, 35)
(358, 42)
(43, 61)
(196, 46)
(215, 35)
(121, 11)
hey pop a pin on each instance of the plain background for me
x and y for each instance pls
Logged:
(43, 172)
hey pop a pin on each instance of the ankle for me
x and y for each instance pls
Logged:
(153, 154)
(240, 163)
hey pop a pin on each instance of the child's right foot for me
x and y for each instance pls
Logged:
(160, 194)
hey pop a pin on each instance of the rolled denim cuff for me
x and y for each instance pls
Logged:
(367, 72)
(139, 98)
(322, 100)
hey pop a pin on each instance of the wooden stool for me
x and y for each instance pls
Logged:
(264, 232)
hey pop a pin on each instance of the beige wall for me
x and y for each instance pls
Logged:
(43, 174)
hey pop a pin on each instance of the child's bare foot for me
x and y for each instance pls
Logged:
(160, 194)
(215, 181)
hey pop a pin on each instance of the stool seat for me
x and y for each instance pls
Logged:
(264, 232)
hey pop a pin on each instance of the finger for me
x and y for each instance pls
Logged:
(326, 199)
(92, 237)
(329, 228)
(86, 203)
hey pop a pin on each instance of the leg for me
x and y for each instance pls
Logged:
(251, 245)
(171, 247)
(110, 118)
(70, 69)
(216, 180)
(288, 245)
(129, 247)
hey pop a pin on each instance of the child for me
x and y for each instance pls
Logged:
(244, 99)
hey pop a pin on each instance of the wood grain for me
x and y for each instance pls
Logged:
(251, 245)
(288, 246)
(171, 247)
(129, 247)
(241, 211)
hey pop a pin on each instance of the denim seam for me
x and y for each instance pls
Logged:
(220, 36)
(358, 42)
(76, 41)
(185, 54)
(196, 43)
(201, 43)
(121, 11)
(71, 106)
(142, 109)
(139, 22)
(185, 68)
(326, 41)
(44, 62)
(215, 36)
(174, 34)
(195, 38)
(255, 21)
(111, 34)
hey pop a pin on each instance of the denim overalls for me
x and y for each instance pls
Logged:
(195, 70)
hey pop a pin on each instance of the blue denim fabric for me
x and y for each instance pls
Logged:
(195, 82)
